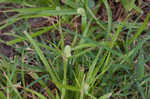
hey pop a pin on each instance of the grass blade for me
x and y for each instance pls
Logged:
(42, 57)
(140, 66)
(141, 29)
(109, 13)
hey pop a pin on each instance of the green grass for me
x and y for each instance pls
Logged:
(99, 62)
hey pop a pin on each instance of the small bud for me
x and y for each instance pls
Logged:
(67, 51)
(86, 88)
(58, 8)
(81, 11)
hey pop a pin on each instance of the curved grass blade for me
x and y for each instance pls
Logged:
(109, 13)
(42, 57)
(36, 93)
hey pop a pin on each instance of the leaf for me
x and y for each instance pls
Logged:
(106, 96)
(141, 90)
(140, 66)
(2, 95)
(128, 4)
